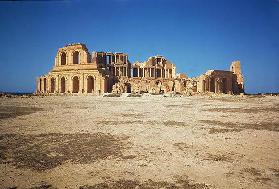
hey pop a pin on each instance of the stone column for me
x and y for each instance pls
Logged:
(48, 83)
(203, 86)
(100, 86)
(57, 86)
(37, 85)
(216, 85)
(42, 85)
(94, 85)
(209, 84)
(66, 84)
(85, 83)
(169, 75)
(70, 84)
(83, 80)
(45, 84)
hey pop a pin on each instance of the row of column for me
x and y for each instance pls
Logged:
(72, 58)
(116, 58)
(77, 84)
(153, 72)
(120, 71)
(216, 85)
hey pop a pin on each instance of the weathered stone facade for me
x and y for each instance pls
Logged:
(76, 71)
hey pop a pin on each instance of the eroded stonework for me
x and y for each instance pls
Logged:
(76, 71)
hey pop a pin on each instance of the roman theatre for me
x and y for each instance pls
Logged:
(76, 71)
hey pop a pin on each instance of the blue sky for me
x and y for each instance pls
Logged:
(196, 35)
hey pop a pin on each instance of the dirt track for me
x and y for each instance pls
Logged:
(139, 142)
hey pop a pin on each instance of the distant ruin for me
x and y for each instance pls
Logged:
(76, 71)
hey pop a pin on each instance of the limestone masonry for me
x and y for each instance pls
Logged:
(76, 71)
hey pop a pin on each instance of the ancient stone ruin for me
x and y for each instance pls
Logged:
(76, 71)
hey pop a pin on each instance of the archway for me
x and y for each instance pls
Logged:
(76, 57)
(128, 87)
(90, 84)
(63, 58)
(63, 86)
(75, 84)
(52, 85)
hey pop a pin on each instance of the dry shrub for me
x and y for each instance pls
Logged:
(182, 146)
(253, 171)
(173, 123)
(219, 157)
(269, 126)
(180, 183)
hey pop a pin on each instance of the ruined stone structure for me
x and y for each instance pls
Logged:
(76, 71)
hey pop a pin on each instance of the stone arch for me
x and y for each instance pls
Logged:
(63, 58)
(90, 84)
(128, 88)
(52, 85)
(63, 85)
(76, 57)
(158, 83)
(75, 84)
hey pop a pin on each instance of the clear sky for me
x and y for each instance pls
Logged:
(196, 35)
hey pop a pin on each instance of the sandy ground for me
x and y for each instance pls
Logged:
(91, 142)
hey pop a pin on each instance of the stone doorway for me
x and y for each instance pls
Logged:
(63, 86)
(90, 84)
(75, 84)
(52, 85)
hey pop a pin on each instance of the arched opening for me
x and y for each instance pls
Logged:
(63, 58)
(52, 85)
(63, 86)
(90, 84)
(76, 57)
(75, 84)
(45, 84)
(128, 87)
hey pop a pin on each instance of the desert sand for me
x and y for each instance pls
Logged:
(139, 142)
